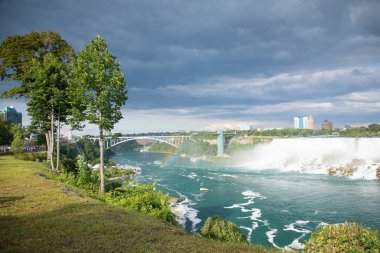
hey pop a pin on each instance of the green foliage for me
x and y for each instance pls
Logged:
(69, 165)
(197, 148)
(129, 145)
(161, 147)
(97, 91)
(6, 135)
(216, 228)
(117, 172)
(98, 86)
(27, 157)
(90, 151)
(69, 150)
(47, 90)
(142, 198)
(17, 54)
(370, 131)
(86, 178)
(18, 140)
(348, 237)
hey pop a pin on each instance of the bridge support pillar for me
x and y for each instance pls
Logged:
(220, 142)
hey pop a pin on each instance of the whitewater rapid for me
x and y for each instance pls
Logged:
(357, 158)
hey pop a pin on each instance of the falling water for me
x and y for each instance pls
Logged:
(353, 157)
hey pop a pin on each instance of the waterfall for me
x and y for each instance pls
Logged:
(353, 157)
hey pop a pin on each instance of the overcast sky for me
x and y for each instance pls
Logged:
(193, 65)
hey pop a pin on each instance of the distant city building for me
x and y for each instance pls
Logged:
(70, 136)
(304, 122)
(12, 115)
(33, 137)
(326, 124)
(246, 127)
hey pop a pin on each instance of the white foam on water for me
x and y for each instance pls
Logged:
(253, 195)
(233, 206)
(271, 234)
(296, 244)
(291, 227)
(255, 212)
(357, 156)
(249, 236)
(192, 175)
(228, 175)
(192, 216)
(250, 230)
(185, 212)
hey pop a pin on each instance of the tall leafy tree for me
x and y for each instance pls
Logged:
(6, 135)
(18, 54)
(18, 140)
(47, 96)
(98, 87)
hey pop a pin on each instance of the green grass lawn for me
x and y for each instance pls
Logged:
(43, 215)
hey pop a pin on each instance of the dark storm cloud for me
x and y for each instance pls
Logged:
(176, 53)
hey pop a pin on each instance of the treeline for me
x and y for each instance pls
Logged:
(372, 130)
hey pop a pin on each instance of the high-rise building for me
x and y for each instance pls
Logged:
(304, 122)
(12, 115)
(296, 122)
(326, 124)
(310, 122)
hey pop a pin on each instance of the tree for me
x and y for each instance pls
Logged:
(5, 131)
(47, 96)
(18, 54)
(98, 91)
(18, 140)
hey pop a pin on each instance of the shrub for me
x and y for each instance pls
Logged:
(69, 165)
(117, 172)
(27, 156)
(216, 228)
(86, 179)
(347, 237)
(112, 185)
(142, 198)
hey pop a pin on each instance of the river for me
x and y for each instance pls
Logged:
(272, 207)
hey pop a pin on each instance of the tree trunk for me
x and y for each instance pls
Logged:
(47, 136)
(52, 139)
(58, 146)
(101, 168)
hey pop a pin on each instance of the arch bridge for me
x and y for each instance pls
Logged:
(174, 141)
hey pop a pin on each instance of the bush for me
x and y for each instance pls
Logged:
(142, 198)
(216, 228)
(111, 172)
(27, 156)
(69, 165)
(347, 237)
(86, 178)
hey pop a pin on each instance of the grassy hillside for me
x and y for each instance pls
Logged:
(42, 215)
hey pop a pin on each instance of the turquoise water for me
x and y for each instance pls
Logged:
(272, 208)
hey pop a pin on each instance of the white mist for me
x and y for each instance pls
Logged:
(316, 155)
